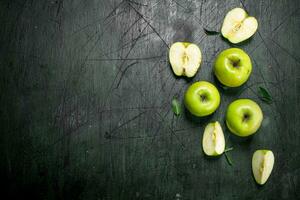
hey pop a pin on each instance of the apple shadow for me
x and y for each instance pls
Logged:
(234, 139)
(256, 184)
(197, 120)
(212, 158)
(240, 140)
(188, 79)
(246, 42)
(227, 90)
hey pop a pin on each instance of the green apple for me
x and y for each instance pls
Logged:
(202, 98)
(262, 165)
(243, 117)
(238, 26)
(185, 58)
(233, 67)
(213, 141)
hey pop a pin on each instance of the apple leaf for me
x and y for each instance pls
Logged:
(210, 32)
(228, 149)
(176, 107)
(264, 95)
(228, 158)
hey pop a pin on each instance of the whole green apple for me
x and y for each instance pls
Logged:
(243, 117)
(202, 98)
(233, 67)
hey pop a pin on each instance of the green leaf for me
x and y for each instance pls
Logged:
(264, 95)
(176, 107)
(210, 32)
(228, 158)
(228, 149)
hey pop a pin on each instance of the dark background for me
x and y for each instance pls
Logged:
(86, 91)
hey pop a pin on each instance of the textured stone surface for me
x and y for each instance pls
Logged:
(86, 91)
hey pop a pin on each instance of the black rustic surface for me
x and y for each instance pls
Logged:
(86, 91)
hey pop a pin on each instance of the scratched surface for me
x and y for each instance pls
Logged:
(86, 91)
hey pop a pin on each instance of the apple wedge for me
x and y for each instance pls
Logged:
(238, 26)
(185, 58)
(262, 165)
(213, 141)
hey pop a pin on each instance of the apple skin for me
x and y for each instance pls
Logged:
(202, 98)
(233, 67)
(243, 117)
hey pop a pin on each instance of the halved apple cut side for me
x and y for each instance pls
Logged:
(238, 26)
(185, 58)
(262, 165)
(213, 141)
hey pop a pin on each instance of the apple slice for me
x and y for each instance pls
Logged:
(238, 26)
(262, 165)
(213, 141)
(185, 58)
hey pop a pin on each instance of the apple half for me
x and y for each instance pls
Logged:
(185, 58)
(238, 26)
(213, 141)
(262, 165)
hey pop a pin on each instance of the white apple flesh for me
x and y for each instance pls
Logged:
(213, 141)
(262, 165)
(185, 58)
(238, 26)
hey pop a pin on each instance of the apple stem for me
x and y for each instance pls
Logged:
(245, 117)
(203, 98)
(236, 63)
